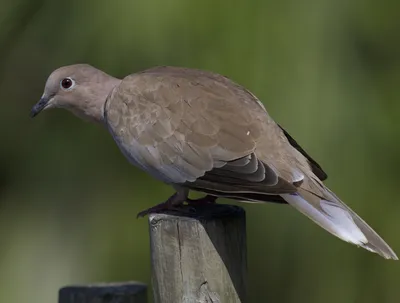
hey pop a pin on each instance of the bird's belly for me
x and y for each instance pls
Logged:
(138, 156)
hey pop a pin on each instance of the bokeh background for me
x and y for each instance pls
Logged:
(328, 71)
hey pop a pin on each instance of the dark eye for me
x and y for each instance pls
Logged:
(67, 83)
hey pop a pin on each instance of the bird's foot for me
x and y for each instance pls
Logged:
(173, 203)
(155, 209)
(163, 207)
(202, 201)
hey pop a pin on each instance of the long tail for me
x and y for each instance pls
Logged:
(334, 216)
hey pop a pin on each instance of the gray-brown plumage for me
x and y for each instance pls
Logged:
(197, 130)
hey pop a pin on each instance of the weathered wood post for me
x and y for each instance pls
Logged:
(199, 257)
(128, 292)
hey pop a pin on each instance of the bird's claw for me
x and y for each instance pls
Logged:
(166, 207)
(175, 204)
(155, 209)
(202, 201)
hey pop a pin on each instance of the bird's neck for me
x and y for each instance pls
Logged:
(93, 108)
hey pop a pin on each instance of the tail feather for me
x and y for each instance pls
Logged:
(337, 218)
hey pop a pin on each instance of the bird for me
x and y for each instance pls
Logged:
(197, 130)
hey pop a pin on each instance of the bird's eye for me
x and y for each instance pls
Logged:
(67, 83)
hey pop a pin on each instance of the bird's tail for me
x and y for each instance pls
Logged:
(329, 212)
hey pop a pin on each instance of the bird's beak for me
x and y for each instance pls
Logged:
(38, 107)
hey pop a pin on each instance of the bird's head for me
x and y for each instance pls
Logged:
(80, 88)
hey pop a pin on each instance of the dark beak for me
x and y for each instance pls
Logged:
(38, 107)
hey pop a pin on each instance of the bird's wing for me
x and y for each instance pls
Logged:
(202, 130)
(181, 124)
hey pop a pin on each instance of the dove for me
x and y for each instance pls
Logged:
(200, 131)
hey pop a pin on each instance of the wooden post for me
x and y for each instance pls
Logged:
(130, 292)
(199, 256)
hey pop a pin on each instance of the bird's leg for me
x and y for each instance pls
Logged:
(202, 201)
(172, 202)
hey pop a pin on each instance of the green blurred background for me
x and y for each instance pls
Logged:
(328, 71)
